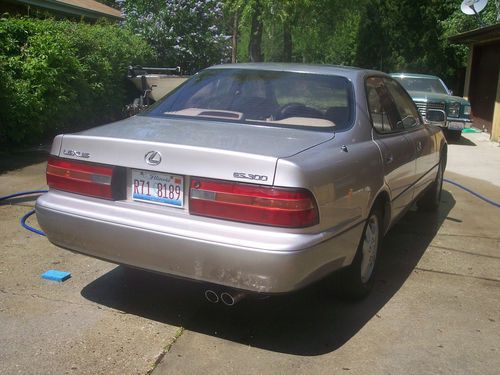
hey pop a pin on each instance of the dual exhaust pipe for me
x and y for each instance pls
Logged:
(227, 298)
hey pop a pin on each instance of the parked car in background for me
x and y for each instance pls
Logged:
(430, 92)
(252, 178)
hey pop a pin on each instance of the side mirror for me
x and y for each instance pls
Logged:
(450, 92)
(407, 123)
(435, 117)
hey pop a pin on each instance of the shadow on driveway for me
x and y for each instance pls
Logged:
(462, 141)
(310, 322)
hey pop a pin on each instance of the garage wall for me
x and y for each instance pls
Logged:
(483, 85)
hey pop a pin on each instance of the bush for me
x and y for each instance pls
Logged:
(62, 75)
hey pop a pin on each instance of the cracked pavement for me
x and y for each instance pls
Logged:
(435, 307)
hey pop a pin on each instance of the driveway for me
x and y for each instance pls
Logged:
(435, 308)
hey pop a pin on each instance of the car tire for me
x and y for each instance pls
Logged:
(356, 281)
(430, 200)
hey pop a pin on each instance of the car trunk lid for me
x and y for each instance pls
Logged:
(213, 149)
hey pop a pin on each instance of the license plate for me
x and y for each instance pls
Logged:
(159, 188)
(455, 125)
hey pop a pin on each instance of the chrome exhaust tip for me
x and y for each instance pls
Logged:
(211, 296)
(231, 299)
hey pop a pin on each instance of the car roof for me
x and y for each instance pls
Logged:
(350, 72)
(413, 75)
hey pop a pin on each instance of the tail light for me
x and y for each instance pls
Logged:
(81, 178)
(281, 207)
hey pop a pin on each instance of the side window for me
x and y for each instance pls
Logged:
(405, 105)
(383, 111)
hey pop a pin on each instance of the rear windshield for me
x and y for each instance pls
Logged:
(425, 84)
(262, 97)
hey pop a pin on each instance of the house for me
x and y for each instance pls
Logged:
(482, 78)
(89, 10)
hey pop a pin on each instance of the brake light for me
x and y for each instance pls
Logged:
(81, 178)
(281, 207)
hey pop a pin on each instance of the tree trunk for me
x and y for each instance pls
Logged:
(254, 46)
(287, 42)
(234, 52)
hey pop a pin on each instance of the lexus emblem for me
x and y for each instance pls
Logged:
(153, 158)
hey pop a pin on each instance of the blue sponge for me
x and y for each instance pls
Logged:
(56, 275)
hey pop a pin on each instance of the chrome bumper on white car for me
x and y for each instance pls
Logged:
(257, 259)
(458, 124)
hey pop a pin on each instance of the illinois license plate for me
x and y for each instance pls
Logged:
(160, 188)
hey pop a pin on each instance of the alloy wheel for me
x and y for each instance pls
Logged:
(369, 248)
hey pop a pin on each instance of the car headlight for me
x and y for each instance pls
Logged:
(467, 110)
(454, 109)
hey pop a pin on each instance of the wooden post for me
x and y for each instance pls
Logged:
(495, 126)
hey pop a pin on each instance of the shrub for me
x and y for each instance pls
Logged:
(62, 75)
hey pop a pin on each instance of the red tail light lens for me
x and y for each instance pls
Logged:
(81, 178)
(281, 207)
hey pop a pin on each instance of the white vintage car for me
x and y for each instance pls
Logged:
(430, 92)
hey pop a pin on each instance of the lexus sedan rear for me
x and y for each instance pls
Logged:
(256, 178)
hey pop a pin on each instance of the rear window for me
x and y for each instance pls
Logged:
(262, 97)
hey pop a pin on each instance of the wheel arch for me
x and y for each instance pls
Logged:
(383, 201)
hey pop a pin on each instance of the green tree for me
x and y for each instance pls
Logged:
(326, 32)
(247, 17)
(185, 33)
(322, 31)
(404, 35)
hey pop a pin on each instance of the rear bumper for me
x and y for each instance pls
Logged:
(248, 257)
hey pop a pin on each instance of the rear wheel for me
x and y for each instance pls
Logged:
(356, 281)
(431, 198)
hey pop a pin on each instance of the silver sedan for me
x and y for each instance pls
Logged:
(256, 178)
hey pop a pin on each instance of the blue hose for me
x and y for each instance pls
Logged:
(473, 193)
(23, 193)
(23, 223)
(23, 219)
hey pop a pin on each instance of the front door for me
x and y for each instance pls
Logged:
(419, 135)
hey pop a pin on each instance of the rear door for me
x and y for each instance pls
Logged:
(396, 148)
(420, 136)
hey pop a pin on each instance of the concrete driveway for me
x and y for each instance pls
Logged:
(435, 308)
